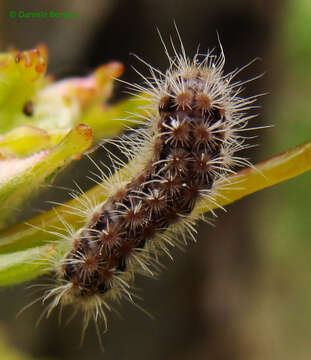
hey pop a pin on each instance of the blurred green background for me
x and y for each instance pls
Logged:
(244, 290)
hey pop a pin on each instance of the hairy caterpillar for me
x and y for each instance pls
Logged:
(184, 154)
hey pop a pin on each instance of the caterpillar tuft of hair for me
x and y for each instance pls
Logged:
(185, 152)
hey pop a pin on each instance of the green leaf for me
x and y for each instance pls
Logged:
(20, 178)
(108, 123)
(24, 141)
(40, 122)
(24, 265)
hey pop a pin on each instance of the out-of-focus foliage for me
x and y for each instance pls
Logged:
(7, 352)
(296, 38)
(284, 288)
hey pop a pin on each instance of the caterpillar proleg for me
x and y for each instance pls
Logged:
(186, 150)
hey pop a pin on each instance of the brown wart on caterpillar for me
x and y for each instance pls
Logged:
(186, 151)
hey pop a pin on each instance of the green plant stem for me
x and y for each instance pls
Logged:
(22, 238)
